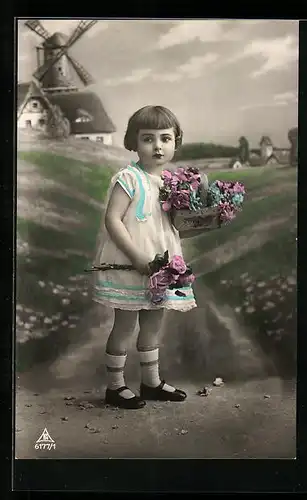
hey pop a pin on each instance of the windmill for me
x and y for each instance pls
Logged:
(53, 58)
(68, 106)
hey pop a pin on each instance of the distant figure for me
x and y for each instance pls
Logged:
(293, 139)
(136, 230)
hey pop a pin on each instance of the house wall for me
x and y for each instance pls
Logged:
(106, 138)
(31, 115)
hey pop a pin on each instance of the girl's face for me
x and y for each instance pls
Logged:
(155, 147)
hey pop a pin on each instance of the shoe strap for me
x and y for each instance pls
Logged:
(121, 389)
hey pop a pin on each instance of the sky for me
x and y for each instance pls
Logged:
(222, 78)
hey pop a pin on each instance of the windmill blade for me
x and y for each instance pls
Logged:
(82, 27)
(84, 75)
(38, 28)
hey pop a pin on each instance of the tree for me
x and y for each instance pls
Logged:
(58, 126)
(293, 139)
(243, 150)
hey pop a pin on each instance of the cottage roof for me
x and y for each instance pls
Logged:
(84, 110)
(266, 140)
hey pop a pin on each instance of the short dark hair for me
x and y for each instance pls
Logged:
(151, 117)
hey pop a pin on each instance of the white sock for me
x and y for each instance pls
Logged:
(149, 361)
(115, 374)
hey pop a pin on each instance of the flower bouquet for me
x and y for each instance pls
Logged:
(192, 205)
(164, 275)
(170, 275)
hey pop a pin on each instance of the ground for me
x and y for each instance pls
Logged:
(239, 420)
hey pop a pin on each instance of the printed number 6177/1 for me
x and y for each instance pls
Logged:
(45, 446)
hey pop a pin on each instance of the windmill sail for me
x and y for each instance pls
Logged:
(36, 26)
(84, 75)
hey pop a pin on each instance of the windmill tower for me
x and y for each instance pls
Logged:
(55, 94)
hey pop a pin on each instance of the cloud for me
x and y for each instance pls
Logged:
(188, 31)
(277, 53)
(281, 99)
(193, 68)
(287, 97)
(137, 75)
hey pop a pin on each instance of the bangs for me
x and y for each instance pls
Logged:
(155, 118)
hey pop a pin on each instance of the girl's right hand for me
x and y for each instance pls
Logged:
(141, 264)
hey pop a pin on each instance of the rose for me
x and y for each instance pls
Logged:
(181, 200)
(186, 279)
(161, 279)
(177, 264)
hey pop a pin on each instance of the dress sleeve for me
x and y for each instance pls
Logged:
(126, 179)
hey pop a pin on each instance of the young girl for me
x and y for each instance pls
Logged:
(136, 229)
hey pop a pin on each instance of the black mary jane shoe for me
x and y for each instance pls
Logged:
(113, 397)
(159, 394)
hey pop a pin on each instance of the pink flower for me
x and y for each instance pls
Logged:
(177, 263)
(161, 280)
(181, 174)
(167, 175)
(185, 280)
(181, 200)
(167, 205)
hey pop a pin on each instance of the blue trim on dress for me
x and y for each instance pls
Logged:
(140, 215)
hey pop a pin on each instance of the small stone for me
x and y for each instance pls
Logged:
(218, 382)
(72, 326)
(237, 405)
(87, 392)
(18, 430)
(250, 309)
(32, 319)
(291, 280)
(238, 309)
(42, 412)
(19, 307)
(64, 323)
(115, 426)
(64, 419)
(27, 326)
(48, 321)
(94, 430)
(28, 405)
(266, 396)
(69, 398)
(270, 305)
(249, 289)
(85, 294)
(65, 302)
(42, 284)
(69, 403)
(55, 291)
(35, 394)
(260, 284)
(183, 431)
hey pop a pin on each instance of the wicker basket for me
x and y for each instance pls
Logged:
(204, 219)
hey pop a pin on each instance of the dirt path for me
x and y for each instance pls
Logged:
(251, 420)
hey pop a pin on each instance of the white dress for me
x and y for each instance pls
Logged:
(151, 230)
